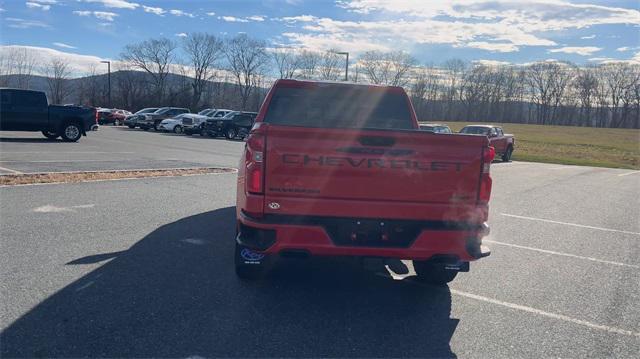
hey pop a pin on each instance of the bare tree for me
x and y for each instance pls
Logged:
(389, 68)
(58, 80)
(455, 69)
(286, 61)
(155, 57)
(203, 52)
(17, 67)
(586, 86)
(308, 62)
(247, 58)
(330, 65)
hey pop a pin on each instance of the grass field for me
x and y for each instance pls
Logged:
(601, 147)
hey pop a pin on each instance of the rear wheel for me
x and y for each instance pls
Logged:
(203, 132)
(230, 133)
(435, 274)
(177, 129)
(131, 126)
(71, 132)
(506, 157)
(250, 265)
(50, 135)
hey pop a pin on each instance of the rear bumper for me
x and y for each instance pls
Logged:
(461, 241)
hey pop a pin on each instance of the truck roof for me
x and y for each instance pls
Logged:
(302, 83)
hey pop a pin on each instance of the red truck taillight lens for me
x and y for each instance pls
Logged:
(254, 163)
(96, 112)
(484, 194)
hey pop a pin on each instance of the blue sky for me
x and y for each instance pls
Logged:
(433, 31)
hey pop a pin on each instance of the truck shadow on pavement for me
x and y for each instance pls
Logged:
(175, 294)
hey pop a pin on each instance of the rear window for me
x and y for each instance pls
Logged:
(475, 130)
(339, 107)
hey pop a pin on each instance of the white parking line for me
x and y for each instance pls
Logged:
(11, 171)
(561, 254)
(569, 224)
(628, 173)
(546, 314)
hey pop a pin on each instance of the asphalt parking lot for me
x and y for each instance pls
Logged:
(144, 268)
(113, 148)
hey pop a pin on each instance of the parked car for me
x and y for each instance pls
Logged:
(173, 124)
(112, 116)
(232, 125)
(26, 110)
(212, 116)
(435, 128)
(131, 120)
(193, 123)
(152, 120)
(333, 169)
(206, 111)
(503, 143)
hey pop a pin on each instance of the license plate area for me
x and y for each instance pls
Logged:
(372, 233)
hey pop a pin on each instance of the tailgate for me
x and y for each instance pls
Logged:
(373, 165)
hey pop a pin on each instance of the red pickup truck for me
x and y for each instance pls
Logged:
(503, 143)
(338, 169)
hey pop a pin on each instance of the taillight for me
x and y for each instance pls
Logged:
(96, 111)
(254, 162)
(484, 194)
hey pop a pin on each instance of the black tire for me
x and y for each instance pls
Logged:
(50, 135)
(506, 157)
(250, 265)
(155, 127)
(71, 132)
(230, 133)
(131, 126)
(177, 129)
(432, 273)
(145, 128)
(203, 132)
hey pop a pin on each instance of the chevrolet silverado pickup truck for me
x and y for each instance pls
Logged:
(504, 144)
(340, 169)
(26, 110)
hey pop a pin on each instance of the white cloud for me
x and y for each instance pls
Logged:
(48, 2)
(105, 15)
(182, 34)
(181, 13)
(35, 5)
(493, 46)
(627, 48)
(580, 50)
(117, 4)
(102, 15)
(301, 18)
(79, 64)
(18, 23)
(63, 45)
(256, 18)
(493, 25)
(588, 37)
(232, 19)
(491, 62)
(153, 10)
(211, 13)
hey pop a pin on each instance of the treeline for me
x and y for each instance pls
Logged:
(202, 70)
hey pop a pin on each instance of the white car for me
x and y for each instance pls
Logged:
(173, 124)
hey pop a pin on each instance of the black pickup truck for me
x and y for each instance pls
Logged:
(26, 110)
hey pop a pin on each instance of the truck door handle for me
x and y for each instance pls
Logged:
(377, 141)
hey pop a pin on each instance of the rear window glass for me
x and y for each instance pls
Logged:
(339, 107)
(475, 130)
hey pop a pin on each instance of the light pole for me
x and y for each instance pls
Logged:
(346, 65)
(108, 78)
